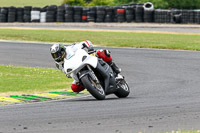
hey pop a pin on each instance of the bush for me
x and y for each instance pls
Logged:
(184, 4)
(74, 2)
(164, 4)
(100, 2)
(157, 3)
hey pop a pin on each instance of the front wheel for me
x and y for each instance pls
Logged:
(122, 89)
(94, 87)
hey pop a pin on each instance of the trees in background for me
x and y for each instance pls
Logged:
(184, 4)
(180, 4)
(100, 2)
(75, 2)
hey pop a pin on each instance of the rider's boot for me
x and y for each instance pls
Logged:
(105, 55)
(114, 67)
(76, 87)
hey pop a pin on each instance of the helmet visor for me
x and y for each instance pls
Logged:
(57, 56)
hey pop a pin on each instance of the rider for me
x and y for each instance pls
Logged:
(59, 52)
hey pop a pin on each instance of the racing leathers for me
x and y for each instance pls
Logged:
(88, 47)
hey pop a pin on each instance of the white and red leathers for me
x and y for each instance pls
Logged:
(86, 45)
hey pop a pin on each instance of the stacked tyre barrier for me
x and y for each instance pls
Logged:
(91, 15)
(130, 14)
(148, 12)
(109, 15)
(51, 13)
(187, 16)
(27, 14)
(20, 13)
(123, 14)
(3, 14)
(100, 12)
(69, 14)
(78, 13)
(35, 14)
(139, 13)
(197, 16)
(84, 14)
(43, 14)
(11, 14)
(162, 16)
(60, 14)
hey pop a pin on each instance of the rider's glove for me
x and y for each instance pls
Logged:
(57, 65)
(68, 75)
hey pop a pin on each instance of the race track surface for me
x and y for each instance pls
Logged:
(143, 27)
(165, 95)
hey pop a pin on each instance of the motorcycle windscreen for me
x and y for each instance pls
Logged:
(76, 62)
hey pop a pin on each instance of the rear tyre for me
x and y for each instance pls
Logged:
(94, 87)
(122, 89)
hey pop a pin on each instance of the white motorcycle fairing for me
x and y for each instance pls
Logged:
(79, 60)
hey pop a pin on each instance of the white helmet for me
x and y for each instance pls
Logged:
(58, 52)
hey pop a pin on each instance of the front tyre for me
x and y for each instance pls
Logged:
(123, 89)
(94, 87)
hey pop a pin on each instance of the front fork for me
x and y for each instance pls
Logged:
(92, 75)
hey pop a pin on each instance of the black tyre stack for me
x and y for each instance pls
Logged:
(166, 16)
(78, 13)
(130, 14)
(191, 16)
(101, 12)
(20, 14)
(176, 16)
(11, 14)
(148, 12)
(162, 16)
(187, 16)
(51, 13)
(139, 13)
(35, 14)
(157, 16)
(115, 12)
(109, 16)
(60, 14)
(91, 15)
(84, 14)
(121, 15)
(43, 14)
(3, 14)
(197, 17)
(148, 16)
(27, 13)
(69, 14)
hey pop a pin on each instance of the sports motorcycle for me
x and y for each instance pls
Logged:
(95, 75)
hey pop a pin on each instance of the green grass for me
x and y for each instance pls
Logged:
(101, 38)
(35, 3)
(31, 80)
(179, 131)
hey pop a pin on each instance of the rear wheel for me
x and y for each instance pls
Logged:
(94, 87)
(122, 89)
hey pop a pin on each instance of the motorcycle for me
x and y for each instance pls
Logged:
(95, 75)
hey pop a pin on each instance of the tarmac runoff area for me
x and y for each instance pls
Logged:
(128, 27)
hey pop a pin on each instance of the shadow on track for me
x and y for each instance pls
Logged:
(90, 99)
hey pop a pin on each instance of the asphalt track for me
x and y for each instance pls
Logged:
(149, 27)
(164, 96)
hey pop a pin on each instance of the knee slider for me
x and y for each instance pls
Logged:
(107, 53)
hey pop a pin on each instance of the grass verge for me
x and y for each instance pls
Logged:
(16, 80)
(102, 38)
(192, 131)
(21, 3)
